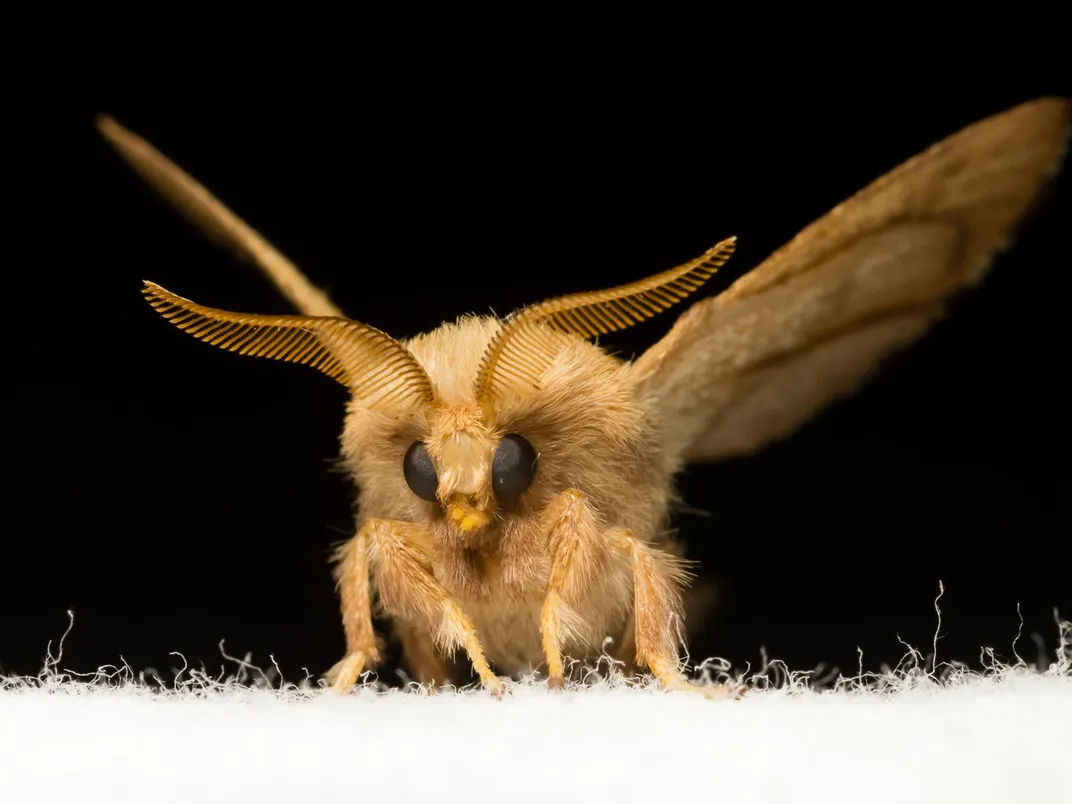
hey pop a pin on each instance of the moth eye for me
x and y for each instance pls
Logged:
(420, 472)
(513, 468)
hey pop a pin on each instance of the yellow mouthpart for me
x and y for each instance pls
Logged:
(467, 518)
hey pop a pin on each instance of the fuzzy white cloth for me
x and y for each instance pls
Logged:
(907, 735)
(913, 732)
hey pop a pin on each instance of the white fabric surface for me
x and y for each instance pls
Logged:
(1003, 736)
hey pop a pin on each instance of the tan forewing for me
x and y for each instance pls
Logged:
(374, 366)
(750, 365)
(218, 222)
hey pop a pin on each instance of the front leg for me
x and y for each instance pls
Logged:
(585, 559)
(352, 582)
(400, 558)
(658, 613)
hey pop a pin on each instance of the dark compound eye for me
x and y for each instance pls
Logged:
(420, 472)
(513, 468)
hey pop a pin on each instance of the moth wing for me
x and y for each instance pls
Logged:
(750, 365)
(214, 219)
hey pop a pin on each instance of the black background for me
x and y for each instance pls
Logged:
(172, 495)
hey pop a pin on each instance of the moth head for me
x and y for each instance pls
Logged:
(470, 467)
(452, 425)
(535, 383)
(452, 457)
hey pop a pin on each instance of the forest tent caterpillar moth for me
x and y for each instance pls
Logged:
(515, 480)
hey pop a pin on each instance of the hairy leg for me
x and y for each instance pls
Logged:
(582, 559)
(658, 578)
(352, 583)
(400, 559)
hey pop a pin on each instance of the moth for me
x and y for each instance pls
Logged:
(516, 481)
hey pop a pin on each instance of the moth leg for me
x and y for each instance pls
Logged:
(400, 558)
(657, 612)
(421, 658)
(581, 558)
(352, 582)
